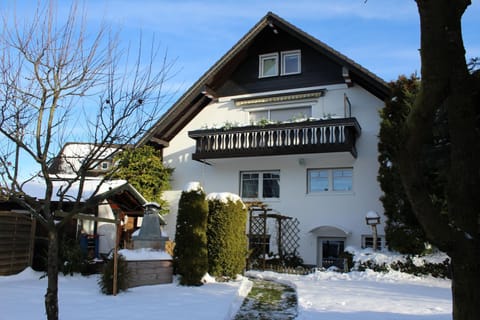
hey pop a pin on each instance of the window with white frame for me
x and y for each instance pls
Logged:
(291, 63)
(331, 179)
(367, 242)
(281, 114)
(268, 65)
(260, 184)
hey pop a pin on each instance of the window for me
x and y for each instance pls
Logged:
(324, 180)
(367, 242)
(291, 62)
(281, 115)
(104, 166)
(342, 179)
(268, 65)
(260, 185)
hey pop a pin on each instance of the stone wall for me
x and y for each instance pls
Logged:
(148, 272)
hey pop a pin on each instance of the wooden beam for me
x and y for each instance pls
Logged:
(88, 217)
(160, 142)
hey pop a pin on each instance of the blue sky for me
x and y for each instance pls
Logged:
(381, 35)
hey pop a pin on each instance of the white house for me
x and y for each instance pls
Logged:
(284, 119)
(73, 154)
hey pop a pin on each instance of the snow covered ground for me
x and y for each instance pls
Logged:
(367, 295)
(323, 295)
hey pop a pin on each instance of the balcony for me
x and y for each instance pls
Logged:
(319, 136)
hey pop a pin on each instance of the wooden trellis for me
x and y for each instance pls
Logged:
(285, 233)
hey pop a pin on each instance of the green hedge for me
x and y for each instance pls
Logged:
(226, 234)
(190, 253)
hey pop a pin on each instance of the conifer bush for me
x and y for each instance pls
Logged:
(402, 230)
(106, 280)
(190, 253)
(226, 234)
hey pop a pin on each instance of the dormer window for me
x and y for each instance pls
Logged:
(104, 166)
(269, 64)
(291, 62)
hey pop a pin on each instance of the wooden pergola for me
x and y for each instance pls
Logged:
(263, 213)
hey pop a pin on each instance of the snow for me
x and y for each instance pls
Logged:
(73, 150)
(36, 188)
(388, 257)
(22, 297)
(367, 295)
(371, 215)
(144, 254)
(328, 295)
(193, 186)
(223, 197)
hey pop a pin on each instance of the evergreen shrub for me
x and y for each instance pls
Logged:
(226, 234)
(402, 230)
(437, 270)
(143, 168)
(106, 280)
(190, 252)
(71, 259)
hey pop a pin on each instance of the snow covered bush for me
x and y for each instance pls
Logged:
(226, 235)
(435, 264)
(190, 253)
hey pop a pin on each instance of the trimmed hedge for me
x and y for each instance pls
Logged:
(190, 253)
(226, 234)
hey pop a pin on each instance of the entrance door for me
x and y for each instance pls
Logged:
(329, 251)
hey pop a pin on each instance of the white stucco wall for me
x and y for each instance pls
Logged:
(344, 210)
(105, 230)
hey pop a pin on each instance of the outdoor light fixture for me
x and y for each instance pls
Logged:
(372, 218)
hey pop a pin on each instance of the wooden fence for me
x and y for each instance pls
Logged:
(17, 238)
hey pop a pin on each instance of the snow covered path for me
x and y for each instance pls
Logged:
(367, 296)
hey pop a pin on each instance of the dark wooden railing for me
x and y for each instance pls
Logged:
(319, 136)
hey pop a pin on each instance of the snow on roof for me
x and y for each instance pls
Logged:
(36, 188)
(152, 204)
(372, 214)
(223, 197)
(80, 150)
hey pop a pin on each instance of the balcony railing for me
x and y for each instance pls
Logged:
(319, 136)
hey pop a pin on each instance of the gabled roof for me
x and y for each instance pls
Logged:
(94, 190)
(199, 94)
(72, 154)
(94, 187)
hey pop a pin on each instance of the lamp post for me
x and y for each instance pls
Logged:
(372, 218)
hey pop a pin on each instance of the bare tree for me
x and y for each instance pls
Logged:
(56, 79)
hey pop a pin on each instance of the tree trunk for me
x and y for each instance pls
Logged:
(447, 87)
(465, 284)
(51, 297)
